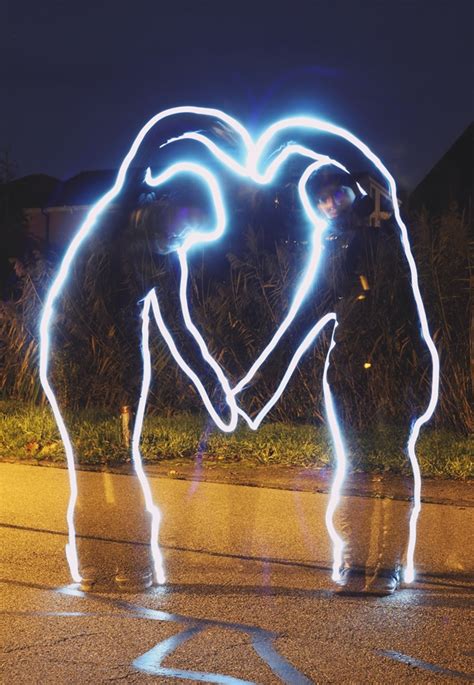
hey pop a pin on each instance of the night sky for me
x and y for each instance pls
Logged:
(78, 79)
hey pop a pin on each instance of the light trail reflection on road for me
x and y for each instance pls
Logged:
(188, 628)
(152, 660)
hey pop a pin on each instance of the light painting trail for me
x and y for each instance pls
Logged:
(260, 168)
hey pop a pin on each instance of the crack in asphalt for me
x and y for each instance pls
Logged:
(49, 643)
(175, 548)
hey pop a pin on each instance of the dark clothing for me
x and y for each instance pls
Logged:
(365, 274)
(366, 279)
(351, 252)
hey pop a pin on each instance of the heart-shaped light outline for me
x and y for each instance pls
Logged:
(199, 237)
(249, 169)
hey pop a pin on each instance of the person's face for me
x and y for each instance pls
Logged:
(334, 201)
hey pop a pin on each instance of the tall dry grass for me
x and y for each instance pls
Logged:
(236, 311)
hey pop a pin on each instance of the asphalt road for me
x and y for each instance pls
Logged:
(248, 596)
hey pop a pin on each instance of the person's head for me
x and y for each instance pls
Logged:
(165, 220)
(333, 194)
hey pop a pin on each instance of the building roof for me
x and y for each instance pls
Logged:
(34, 190)
(450, 180)
(83, 189)
(86, 187)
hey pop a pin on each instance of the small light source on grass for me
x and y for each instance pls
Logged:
(367, 365)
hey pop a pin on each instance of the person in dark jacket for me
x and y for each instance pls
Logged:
(360, 264)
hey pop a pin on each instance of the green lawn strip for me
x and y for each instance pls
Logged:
(29, 432)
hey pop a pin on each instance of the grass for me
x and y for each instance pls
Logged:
(29, 432)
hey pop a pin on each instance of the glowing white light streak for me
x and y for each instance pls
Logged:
(227, 160)
(195, 237)
(303, 347)
(319, 225)
(187, 369)
(341, 463)
(152, 509)
(310, 123)
(58, 285)
(254, 155)
(229, 394)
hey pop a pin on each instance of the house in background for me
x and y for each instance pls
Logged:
(450, 180)
(55, 221)
(450, 183)
(55, 209)
(28, 191)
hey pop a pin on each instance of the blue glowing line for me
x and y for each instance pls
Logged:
(281, 667)
(229, 394)
(187, 369)
(58, 285)
(151, 662)
(341, 465)
(319, 226)
(152, 509)
(193, 238)
(254, 155)
(303, 347)
(219, 154)
(319, 125)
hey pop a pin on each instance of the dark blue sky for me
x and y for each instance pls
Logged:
(79, 79)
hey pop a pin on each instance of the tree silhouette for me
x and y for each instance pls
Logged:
(13, 226)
